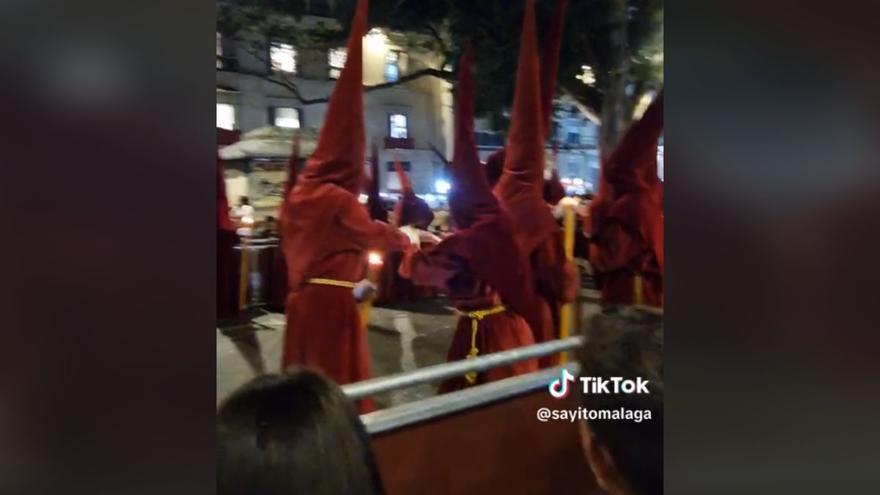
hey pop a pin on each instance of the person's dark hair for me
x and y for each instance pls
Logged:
(294, 433)
(244, 200)
(628, 343)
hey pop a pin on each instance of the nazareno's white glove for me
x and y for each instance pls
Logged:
(558, 211)
(559, 208)
(363, 289)
(412, 233)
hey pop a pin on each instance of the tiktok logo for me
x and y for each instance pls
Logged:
(559, 388)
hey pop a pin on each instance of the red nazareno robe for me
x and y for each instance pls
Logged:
(393, 287)
(409, 211)
(327, 235)
(480, 266)
(329, 238)
(627, 221)
(452, 265)
(520, 191)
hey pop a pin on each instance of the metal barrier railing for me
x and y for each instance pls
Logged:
(443, 371)
(393, 418)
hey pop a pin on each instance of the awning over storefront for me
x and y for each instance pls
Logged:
(270, 142)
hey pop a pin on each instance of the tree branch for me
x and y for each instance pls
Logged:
(436, 35)
(584, 109)
(290, 86)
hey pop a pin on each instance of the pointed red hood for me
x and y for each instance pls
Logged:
(554, 191)
(411, 209)
(524, 160)
(632, 166)
(471, 197)
(631, 192)
(550, 63)
(520, 188)
(339, 157)
(549, 69)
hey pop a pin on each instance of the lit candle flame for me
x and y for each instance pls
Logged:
(374, 258)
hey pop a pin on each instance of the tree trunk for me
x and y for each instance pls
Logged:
(615, 116)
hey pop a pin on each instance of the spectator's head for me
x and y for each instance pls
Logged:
(626, 456)
(292, 434)
(243, 200)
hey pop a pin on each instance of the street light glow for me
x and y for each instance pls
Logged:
(442, 186)
(586, 76)
(376, 40)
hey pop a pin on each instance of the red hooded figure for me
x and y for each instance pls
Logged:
(520, 191)
(411, 209)
(413, 212)
(627, 225)
(479, 265)
(327, 234)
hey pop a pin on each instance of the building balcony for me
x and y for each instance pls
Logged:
(399, 143)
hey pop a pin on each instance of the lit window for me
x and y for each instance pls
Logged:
(219, 52)
(392, 66)
(225, 116)
(283, 57)
(286, 117)
(336, 61)
(397, 126)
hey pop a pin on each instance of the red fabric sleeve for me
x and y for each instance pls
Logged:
(555, 276)
(554, 191)
(370, 234)
(612, 249)
(431, 267)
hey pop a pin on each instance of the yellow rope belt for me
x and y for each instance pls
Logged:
(330, 281)
(476, 316)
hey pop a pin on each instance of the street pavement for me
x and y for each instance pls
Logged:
(402, 337)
